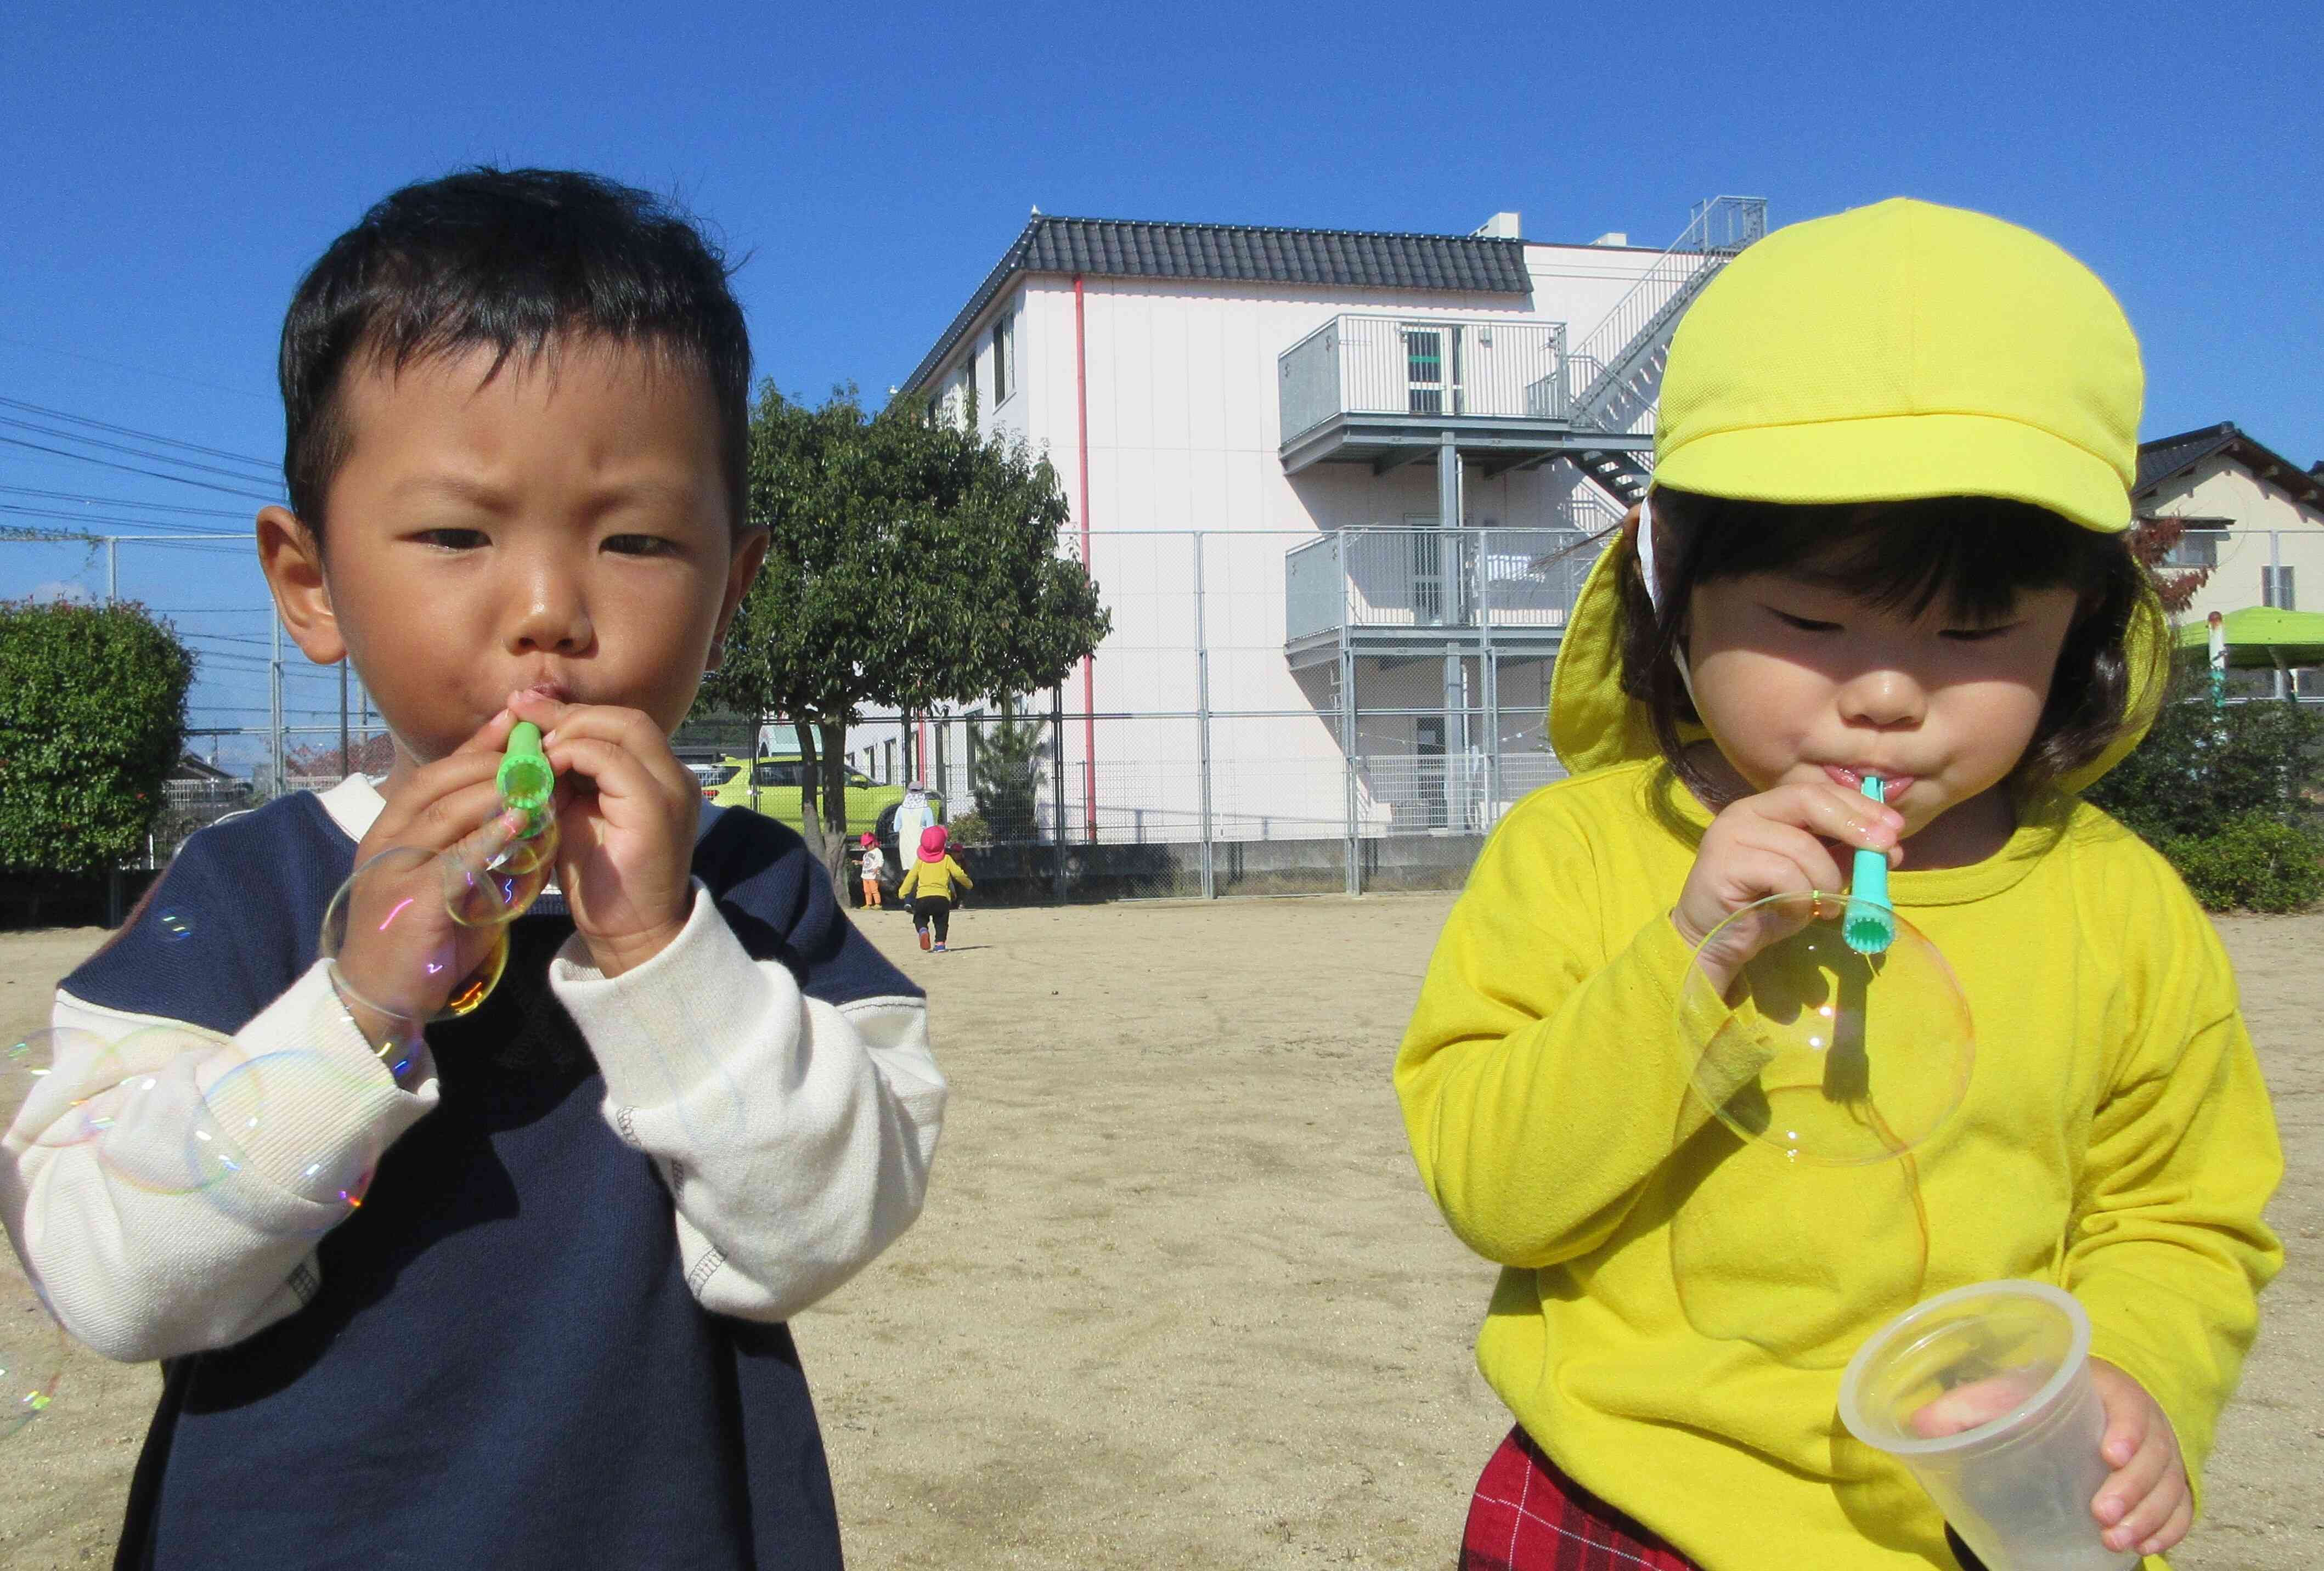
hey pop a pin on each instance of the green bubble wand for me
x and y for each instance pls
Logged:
(526, 781)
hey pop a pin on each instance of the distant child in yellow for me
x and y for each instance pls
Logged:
(1886, 537)
(931, 886)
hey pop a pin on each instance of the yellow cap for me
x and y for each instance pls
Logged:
(1905, 350)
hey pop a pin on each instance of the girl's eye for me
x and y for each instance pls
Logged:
(452, 539)
(1803, 624)
(1978, 635)
(640, 545)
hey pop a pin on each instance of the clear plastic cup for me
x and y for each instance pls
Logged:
(2016, 1487)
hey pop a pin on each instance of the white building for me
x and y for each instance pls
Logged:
(2252, 517)
(1323, 480)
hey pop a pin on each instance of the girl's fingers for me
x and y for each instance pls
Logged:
(1812, 866)
(2149, 1511)
(1833, 813)
(2174, 1528)
(2120, 1496)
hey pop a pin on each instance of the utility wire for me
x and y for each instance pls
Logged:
(143, 453)
(122, 502)
(43, 410)
(132, 469)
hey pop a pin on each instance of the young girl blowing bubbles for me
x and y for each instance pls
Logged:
(1887, 536)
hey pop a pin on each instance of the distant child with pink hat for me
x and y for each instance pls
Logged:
(875, 862)
(934, 878)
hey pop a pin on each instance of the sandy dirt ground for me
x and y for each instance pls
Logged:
(1178, 1299)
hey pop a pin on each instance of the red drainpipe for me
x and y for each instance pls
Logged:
(1089, 663)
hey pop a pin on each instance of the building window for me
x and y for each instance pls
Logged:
(1423, 370)
(1004, 357)
(890, 776)
(2276, 589)
(2197, 545)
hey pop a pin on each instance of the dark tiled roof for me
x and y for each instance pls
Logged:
(2165, 456)
(1346, 258)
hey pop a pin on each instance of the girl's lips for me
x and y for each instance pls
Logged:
(1892, 786)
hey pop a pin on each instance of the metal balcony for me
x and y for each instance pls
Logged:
(1386, 592)
(1386, 390)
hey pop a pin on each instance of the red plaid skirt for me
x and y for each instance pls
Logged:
(1528, 1516)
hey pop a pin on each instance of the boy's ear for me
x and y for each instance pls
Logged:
(292, 560)
(741, 572)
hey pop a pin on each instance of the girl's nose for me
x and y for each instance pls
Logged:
(1884, 697)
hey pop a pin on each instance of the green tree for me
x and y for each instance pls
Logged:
(1008, 775)
(92, 719)
(912, 565)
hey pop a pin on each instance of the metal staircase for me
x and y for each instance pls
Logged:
(1621, 358)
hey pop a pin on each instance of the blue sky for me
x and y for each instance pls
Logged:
(170, 175)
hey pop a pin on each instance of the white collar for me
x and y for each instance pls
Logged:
(355, 804)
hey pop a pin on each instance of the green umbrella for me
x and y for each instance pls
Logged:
(2261, 638)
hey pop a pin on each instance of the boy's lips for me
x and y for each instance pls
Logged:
(1892, 786)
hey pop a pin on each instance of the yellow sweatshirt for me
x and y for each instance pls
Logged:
(2116, 1139)
(935, 878)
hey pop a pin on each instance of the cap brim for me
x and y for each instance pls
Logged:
(1899, 458)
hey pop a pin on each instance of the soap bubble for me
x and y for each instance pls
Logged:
(56, 1080)
(174, 925)
(1827, 1054)
(1799, 1217)
(252, 1141)
(418, 964)
(486, 883)
(162, 1068)
(32, 1350)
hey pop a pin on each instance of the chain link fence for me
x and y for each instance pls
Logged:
(1274, 712)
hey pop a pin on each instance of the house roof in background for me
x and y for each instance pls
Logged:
(1241, 253)
(2167, 457)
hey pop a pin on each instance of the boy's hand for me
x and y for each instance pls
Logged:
(625, 823)
(2145, 1503)
(1775, 844)
(403, 954)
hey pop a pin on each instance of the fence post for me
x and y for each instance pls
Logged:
(274, 706)
(1057, 751)
(1203, 718)
(1490, 680)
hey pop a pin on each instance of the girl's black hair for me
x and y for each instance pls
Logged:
(520, 260)
(1970, 556)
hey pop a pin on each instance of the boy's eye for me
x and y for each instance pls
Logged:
(452, 539)
(1978, 635)
(640, 545)
(1803, 624)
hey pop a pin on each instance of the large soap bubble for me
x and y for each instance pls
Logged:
(1830, 1055)
(1830, 1062)
(424, 964)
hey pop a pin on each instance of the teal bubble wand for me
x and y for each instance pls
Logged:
(526, 781)
(1870, 925)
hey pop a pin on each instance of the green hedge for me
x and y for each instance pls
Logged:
(2228, 794)
(2253, 863)
(92, 720)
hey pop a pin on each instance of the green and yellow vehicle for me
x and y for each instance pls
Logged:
(781, 779)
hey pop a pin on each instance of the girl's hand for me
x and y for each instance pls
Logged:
(403, 954)
(625, 820)
(2145, 1503)
(1778, 842)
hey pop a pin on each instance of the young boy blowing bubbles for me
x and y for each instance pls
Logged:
(552, 1335)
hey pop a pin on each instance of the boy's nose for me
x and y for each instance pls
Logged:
(552, 617)
(1885, 697)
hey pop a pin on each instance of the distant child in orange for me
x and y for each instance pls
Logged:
(935, 876)
(875, 862)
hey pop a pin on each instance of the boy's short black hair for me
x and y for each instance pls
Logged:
(518, 260)
(1971, 555)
